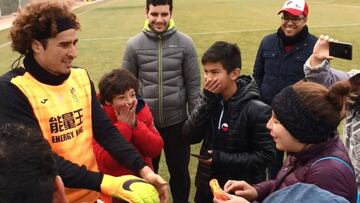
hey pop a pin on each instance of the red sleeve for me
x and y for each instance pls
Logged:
(145, 133)
(106, 163)
(125, 130)
(103, 158)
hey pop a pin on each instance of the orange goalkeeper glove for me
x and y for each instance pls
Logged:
(129, 188)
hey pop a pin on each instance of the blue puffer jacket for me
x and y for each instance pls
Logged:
(274, 69)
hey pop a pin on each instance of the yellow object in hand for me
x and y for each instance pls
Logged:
(129, 188)
(217, 191)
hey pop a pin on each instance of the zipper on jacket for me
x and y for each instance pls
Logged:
(161, 119)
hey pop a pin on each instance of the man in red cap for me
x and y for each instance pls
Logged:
(281, 56)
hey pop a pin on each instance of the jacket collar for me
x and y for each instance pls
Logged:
(298, 38)
(246, 90)
(170, 30)
(309, 153)
(40, 74)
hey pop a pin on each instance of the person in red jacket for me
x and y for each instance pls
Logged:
(131, 116)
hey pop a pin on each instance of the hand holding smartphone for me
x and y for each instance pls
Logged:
(340, 50)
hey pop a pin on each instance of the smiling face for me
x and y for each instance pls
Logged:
(292, 25)
(128, 98)
(58, 53)
(283, 139)
(159, 17)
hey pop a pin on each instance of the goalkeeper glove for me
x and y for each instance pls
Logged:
(129, 188)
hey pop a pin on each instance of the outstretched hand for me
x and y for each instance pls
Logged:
(157, 181)
(321, 50)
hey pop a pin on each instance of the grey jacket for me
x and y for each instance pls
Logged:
(326, 75)
(167, 67)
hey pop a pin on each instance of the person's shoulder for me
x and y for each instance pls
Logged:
(7, 77)
(270, 37)
(181, 34)
(79, 69)
(183, 38)
(257, 109)
(76, 70)
(312, 38)
(6, 85)
(330, 166)
(134, 39)
(258, 105)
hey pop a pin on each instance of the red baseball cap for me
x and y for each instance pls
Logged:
(295, 7)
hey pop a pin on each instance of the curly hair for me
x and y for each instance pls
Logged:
(37, 18)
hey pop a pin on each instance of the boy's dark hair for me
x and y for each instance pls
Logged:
(27, 169)
(118, 81)
(159, 2)
(227, 54)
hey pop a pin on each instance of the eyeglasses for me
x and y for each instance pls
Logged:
(295, 20)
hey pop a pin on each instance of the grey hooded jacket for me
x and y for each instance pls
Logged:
(167, 67)
(326, 75)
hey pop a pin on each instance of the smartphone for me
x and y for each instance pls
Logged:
(200, 156)
(340, 50)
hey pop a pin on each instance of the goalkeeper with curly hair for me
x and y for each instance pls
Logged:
(47, 92)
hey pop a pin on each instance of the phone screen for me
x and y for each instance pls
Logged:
(340, 50)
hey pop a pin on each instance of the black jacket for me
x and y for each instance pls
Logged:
(244, 152)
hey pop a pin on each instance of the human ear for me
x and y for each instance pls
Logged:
(235, 73)
(36, 46)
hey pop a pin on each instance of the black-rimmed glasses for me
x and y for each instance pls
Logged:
(293, 19)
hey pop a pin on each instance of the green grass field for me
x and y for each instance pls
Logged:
(107, 25)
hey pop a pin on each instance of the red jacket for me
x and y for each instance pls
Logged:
(144, 137)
